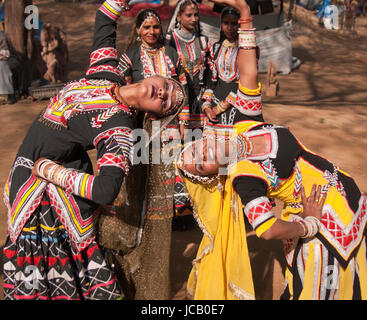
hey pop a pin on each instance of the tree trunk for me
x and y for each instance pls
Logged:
(14, 24)
(20, 39)
(290, 10)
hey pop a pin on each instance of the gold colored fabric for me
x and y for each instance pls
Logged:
(140, 242)
(221, 269)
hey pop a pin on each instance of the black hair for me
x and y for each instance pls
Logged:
(225, 12)
(182, 6)
(140, 18)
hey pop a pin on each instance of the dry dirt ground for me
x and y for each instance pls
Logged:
(323, 102)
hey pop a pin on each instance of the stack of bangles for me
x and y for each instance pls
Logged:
(220, 107)
(123, 4)
(205, 106)
(310, 225)
(56, 173)
(246, 37)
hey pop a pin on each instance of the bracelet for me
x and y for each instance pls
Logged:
(124, 5)
(220, 107)
(249, 92)
(240, 30)
(244, 21)
(51, 172)
(304, 228)
(61, 177)
(56, 174)
(315, 224)
(309, 229)
(205, 106)
(312, 225)
(246, 39)
(41, 166)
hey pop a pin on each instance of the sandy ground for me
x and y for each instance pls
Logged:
(323, 102)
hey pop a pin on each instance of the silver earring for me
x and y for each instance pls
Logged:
(138, 38)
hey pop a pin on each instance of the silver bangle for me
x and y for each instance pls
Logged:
(312, 225)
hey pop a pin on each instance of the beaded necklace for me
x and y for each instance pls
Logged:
(227, 61)
(116, 96)
(189, 50)
(153, 61)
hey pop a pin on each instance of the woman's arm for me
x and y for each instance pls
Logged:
(312, 207)
(283, 230)
(102, 188)
(258, 210)
(246, 59)
(113, 146)
(104, 58)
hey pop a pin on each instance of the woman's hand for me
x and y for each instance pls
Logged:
(211, 114)
(224, 104)
(240, 5)
(312, 205)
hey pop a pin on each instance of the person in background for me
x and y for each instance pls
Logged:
(6, 74)
(183, 34)
(221, 89)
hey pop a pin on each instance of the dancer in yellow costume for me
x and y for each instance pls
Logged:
(324, 239)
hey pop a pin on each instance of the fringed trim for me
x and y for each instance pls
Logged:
(51, 124)
(240, 293)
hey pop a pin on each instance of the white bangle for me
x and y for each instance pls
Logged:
(315, 224)
(41, 166)
(247, 39)
(312, 225)
(205, 105)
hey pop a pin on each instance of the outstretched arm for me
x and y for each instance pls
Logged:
(248, 99)
(246, 60)
(104, 58)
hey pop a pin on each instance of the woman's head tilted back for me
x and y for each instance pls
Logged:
(202, 159)
(160, 96)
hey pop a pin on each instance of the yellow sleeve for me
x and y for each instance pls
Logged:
(265, 226)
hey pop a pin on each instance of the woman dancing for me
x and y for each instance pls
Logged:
(51, 194)
(324, 234)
